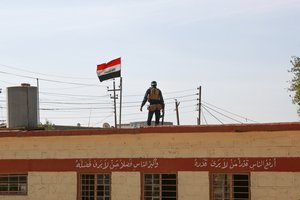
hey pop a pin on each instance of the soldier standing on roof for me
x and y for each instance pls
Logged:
(155, 98)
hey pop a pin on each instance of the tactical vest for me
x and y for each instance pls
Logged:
(154, 94)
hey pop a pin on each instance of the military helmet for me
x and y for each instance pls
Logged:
(153, 84)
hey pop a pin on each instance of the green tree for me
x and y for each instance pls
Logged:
(295, 82)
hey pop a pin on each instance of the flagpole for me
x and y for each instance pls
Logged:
(110, 70)
(121, 88)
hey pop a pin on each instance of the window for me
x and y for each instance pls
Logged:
(13, 184)
(94, 187)
(230, 186)
(160, 187)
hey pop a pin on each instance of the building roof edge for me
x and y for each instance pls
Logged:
(269, 127)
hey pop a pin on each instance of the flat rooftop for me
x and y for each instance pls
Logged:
(284, 126)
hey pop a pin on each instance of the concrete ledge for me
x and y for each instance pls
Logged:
(286, 126)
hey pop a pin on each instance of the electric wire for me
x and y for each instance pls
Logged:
(70, 103)
(184, 112)
(213, 115)
(179, 97)
(28, 71)
(67, 88)
(75, 108)
(246, 118)
(7, 82)
(203, 115)
(74, 95)
(135, 103)
(49, 80)
(179, 91)
(169, 98)
(222, 114)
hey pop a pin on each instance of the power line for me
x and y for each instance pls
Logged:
(68, 103)
(245, 118)
(68, 88)
(180, 96)
(59, 76)
(74, 95)
(188, 100)
(179, 91)
(127, 105)
(213, 115)
(167, 102)
(72, 117)
(49, 80)
(6, 82)
(204, 117)
(75, 108)
(222, 114)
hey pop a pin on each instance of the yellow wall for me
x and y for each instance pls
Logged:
(247, 144)
(49, 186)
(193, 185)
(127, 185)
(275, 185)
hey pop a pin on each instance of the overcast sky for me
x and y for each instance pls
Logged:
(239, 51)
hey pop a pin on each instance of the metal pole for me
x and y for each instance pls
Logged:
(38, 101)
(2, 118)
(115, 109)
(177, 112)
(199, 108)
(120, 114)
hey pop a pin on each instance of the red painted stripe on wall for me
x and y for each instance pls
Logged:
(234, 164)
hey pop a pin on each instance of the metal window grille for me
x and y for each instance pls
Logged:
(160, 187)
(230, 186)
(13, 184)
(95, 186)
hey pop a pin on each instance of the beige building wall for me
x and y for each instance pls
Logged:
(126, 185)
(193, 185)
(49, 186)
(275, 185)
(168, 145)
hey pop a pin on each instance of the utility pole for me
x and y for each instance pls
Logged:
(115, 97)
(1, 109)
(121, 88)
(38, 100)
(199, 105)
(177, 112)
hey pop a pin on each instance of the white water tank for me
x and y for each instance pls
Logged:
(22, 107)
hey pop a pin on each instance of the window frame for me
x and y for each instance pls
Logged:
(79, 184)
(160, 183)
(18, 182)
(231, 174)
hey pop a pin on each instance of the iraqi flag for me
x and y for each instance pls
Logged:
(109, 70)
